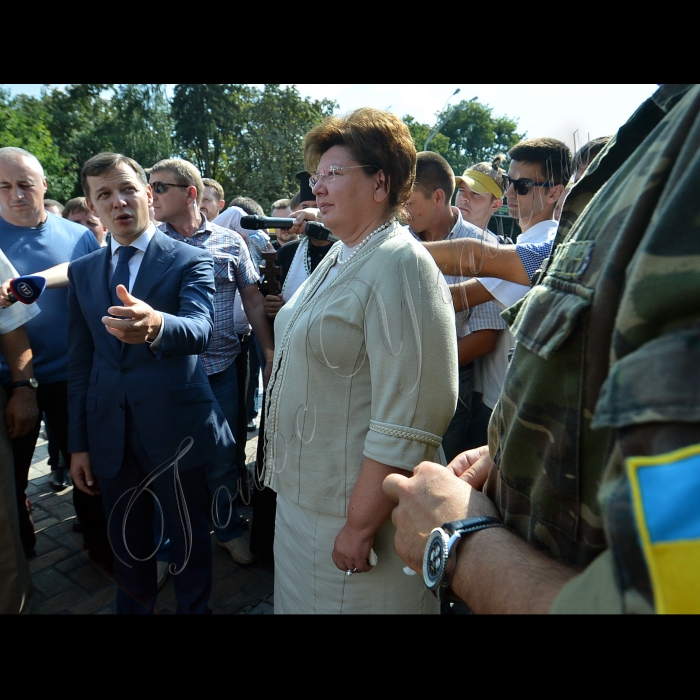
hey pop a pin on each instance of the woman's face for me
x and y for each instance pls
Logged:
(349, 199)
(476, 208)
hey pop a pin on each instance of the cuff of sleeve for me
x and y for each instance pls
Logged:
(399, 446)
(156, 343)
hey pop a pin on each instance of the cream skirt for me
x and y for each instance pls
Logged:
(308, 582)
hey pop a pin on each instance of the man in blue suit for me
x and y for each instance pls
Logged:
(143, 419)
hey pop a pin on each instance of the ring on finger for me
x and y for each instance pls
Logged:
(350, 572)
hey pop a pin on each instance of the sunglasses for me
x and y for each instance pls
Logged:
(160, 187)
(523, 185)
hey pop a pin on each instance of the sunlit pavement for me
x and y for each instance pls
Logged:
(66, 581)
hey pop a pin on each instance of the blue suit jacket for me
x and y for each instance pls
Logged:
(168, 391)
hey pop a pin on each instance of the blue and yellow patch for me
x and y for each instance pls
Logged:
(666, 497)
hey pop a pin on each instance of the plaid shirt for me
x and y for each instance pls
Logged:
(233, 269)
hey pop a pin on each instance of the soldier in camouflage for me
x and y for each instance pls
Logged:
(594, 447)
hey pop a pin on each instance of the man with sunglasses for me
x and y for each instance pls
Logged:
(177, 195)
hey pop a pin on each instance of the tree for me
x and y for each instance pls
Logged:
(470, 135)
(23, 125)
(272, 142)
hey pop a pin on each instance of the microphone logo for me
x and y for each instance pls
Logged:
(25, 290)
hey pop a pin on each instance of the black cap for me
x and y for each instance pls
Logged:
(305, 187)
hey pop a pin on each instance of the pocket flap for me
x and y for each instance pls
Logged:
(549, 314)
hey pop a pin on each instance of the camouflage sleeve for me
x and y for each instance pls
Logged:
(651, 398)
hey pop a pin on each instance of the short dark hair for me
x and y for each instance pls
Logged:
(209, 182)
(77, 205)
(53, 203)
(433, 172)
(587, 153)
(281, 204)
(553, 157)
(106, 162)
(184, 171)
(249, 206)
(374, 138)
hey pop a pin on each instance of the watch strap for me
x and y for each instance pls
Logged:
(469, 525)
(32, 383)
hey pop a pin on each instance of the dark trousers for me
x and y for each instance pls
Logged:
(52, 398)
(181, 499)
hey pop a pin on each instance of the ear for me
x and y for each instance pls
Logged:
(496, 204)
(149, 192)
(92, 209)
(222, 204)
(192, 193)
(439, 197)
(44, 185)
(553, 193)
(381, 188)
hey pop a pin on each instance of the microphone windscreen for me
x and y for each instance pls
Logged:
(27, 289)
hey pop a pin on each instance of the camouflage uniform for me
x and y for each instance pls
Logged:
(609, 338)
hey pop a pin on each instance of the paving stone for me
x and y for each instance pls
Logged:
(48, 559)
(50, 582)
(96, 602)
(61, 602)
(90, 578)
(73, 562)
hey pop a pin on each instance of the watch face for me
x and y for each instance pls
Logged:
(33, 383)
(434, 558)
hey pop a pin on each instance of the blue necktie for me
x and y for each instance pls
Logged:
(121, 273)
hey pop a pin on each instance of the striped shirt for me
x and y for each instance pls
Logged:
(233, 270)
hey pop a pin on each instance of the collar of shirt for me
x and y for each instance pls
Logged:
(141, 243)
(543, 231)
(201, 234)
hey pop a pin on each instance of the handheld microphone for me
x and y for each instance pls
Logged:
(253, 222)
(26, 289)
(314, 229)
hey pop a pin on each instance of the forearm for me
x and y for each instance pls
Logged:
(56, 276)
(369, 506)
(468, 294)
(497, 572)
(470, 257)
(476, 345)
(14, 347)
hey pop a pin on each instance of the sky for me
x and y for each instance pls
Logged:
(556, 111)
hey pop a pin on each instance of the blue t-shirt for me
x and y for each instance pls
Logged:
(32, 250)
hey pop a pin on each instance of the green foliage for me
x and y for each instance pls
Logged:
(469, 134)
(248, 140)
(23, 125)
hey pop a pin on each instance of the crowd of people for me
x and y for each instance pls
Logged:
(452, 421)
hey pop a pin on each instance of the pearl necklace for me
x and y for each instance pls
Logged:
(364, 242)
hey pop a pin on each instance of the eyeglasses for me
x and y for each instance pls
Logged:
(330, 171)
(160, 187)
(523, 185)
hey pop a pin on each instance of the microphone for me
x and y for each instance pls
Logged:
(26, 289)
(314, 229)
(253, 222)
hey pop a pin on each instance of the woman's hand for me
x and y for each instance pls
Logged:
(351, 550)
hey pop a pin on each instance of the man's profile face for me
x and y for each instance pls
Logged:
(211, 204)
(22, 189)
(121, 202)
(535, 206)
(421, 210)
(172, 203)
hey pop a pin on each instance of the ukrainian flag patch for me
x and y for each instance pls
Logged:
(666, 497)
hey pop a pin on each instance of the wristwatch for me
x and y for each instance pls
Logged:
(31, 383)
(440, 559)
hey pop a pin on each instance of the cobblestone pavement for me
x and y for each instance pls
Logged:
(66, 581)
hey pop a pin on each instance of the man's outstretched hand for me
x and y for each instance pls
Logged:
(138, 323)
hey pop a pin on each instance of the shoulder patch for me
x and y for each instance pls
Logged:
(666, 497)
